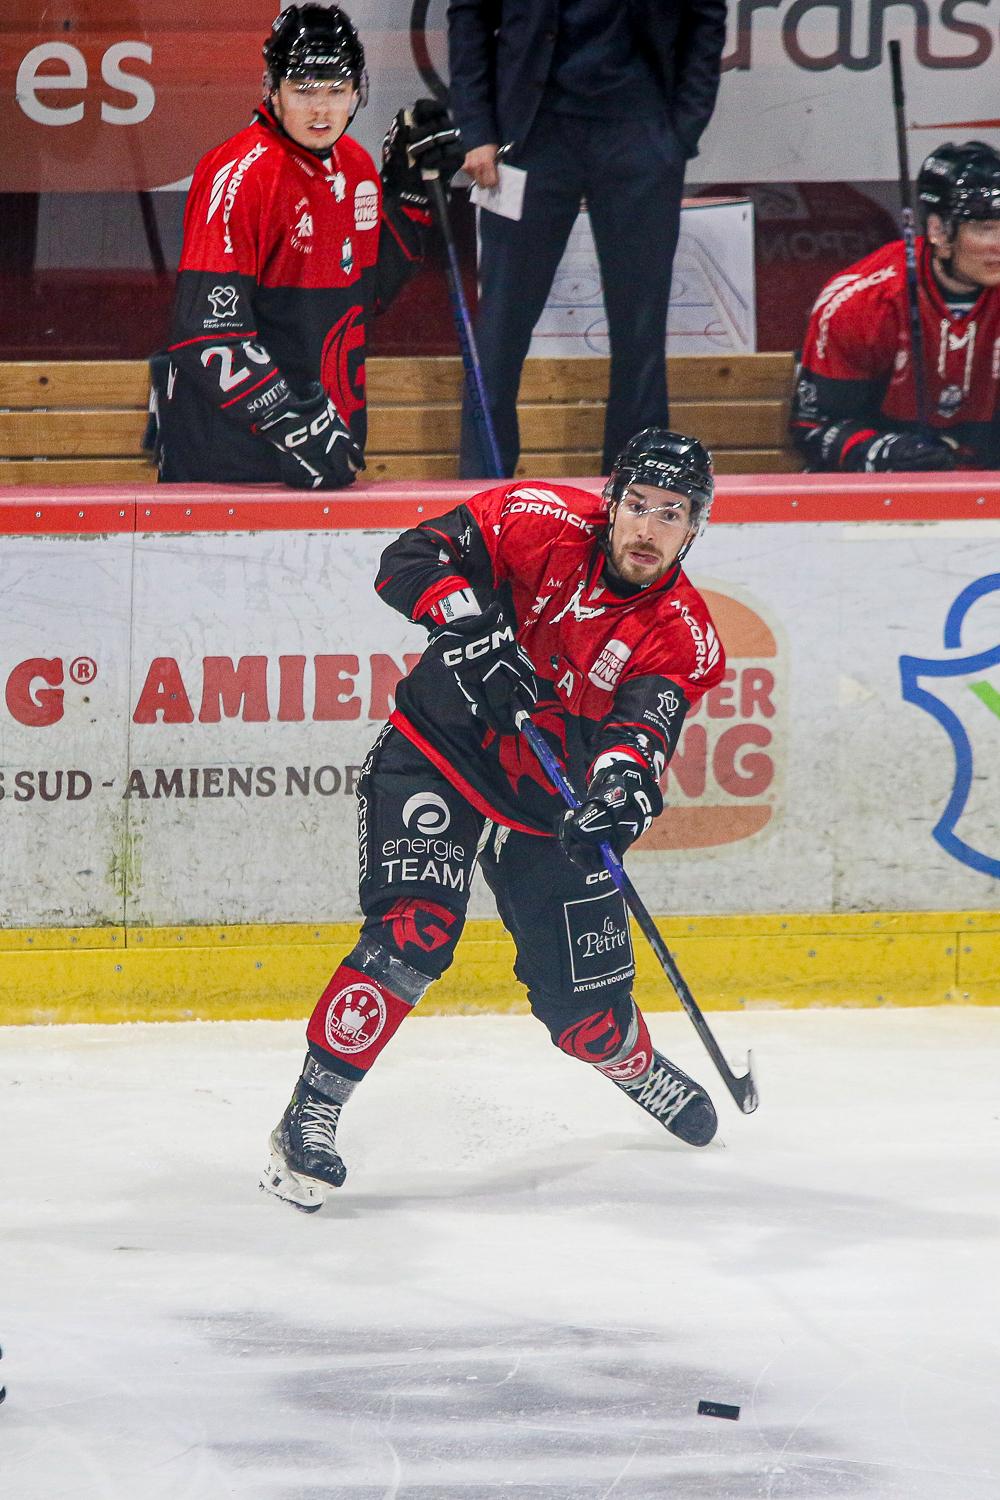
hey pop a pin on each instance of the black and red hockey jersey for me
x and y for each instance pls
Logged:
(618, 668)
(857, 377)
(286, 257)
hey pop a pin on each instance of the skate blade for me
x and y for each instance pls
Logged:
(304, 1193)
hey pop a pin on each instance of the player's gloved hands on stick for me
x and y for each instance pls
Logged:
(315, 448)
(621, 801)
(494, 674)
(420, 139)
(901, 452)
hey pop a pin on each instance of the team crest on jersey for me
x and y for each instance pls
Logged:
(338, 186)
(366, 205)
(949, 400)
(575, 606)
(347, 257)
(303, 232)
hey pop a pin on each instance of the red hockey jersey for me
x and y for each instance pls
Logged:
(857, 377)
(618, 667)
(285, 259)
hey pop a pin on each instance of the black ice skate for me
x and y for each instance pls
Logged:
(304, 1161)
(676, 1101)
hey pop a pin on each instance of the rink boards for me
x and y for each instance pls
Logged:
(191, 684)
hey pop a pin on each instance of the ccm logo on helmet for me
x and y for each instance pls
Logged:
(480, 647)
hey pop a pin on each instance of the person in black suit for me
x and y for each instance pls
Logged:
(597, 99)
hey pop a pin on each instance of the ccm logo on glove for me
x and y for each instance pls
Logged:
(487, 643)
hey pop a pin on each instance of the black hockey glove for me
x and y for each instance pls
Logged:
(620, 804)
(494, 674)
(899, 452)
(420, 139)
(316, 451)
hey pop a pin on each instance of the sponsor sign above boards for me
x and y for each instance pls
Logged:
(183, 720)
(128, 94)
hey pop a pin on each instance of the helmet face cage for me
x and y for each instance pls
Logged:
(315, 42)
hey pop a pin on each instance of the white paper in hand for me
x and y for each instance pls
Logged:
(507, 198)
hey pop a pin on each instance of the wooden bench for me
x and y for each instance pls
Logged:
(81, 422)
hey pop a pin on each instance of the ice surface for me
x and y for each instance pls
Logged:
(524, 1289)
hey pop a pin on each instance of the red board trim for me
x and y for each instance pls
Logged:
(392, 505)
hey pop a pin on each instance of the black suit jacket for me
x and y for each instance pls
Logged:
(500, 55)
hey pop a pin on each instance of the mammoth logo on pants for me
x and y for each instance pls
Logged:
(355, 1018)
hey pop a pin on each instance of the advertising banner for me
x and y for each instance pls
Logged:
(184, 719)
(128, 94)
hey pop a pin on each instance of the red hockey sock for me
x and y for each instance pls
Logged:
(636, 1061)
(599, 1040)
(355, 1017)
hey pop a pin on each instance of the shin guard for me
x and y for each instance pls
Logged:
(362, 1007)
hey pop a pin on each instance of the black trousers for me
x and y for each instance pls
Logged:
(420, 842)
(631, 172)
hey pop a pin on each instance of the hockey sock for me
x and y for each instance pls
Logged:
(358, 1013)
(623, 1054)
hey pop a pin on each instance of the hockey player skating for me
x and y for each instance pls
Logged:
(292, 241)
(574, 606)
(856, 400)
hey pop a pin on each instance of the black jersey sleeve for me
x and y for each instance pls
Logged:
(437, 558)
(644, 723)
(833, 422)
(401, 248)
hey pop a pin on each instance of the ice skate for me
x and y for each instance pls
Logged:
(304, 1162)
(676, 1101)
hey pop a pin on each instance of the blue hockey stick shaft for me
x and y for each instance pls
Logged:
(463, 325)
(743, 1089)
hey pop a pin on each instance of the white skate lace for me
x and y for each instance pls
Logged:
(663, 1094)
(318, 1124)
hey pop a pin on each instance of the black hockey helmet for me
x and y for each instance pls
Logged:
(960, 182)
(671, 462)
(315, 41)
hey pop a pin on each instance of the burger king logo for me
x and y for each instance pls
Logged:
(724, 781)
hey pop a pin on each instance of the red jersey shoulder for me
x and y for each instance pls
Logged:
(857, 309)
(681, 640)
(246, 162)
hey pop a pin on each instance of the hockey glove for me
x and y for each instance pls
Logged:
(493, 673)
(621, 802)
(420, 139)
(898, 452)
(316, 450)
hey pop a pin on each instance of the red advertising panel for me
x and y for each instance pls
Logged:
(122, 94)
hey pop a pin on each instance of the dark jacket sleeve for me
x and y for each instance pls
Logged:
(472, 30)
(701, 37)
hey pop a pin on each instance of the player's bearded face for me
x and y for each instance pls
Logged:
(315, 112)
(650, 527)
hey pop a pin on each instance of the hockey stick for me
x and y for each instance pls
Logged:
(909, 236)
(743, 1090)
(463, 323)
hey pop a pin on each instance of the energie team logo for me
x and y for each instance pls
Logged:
(962, 692)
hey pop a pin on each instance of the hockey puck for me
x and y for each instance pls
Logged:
(718, 1409)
